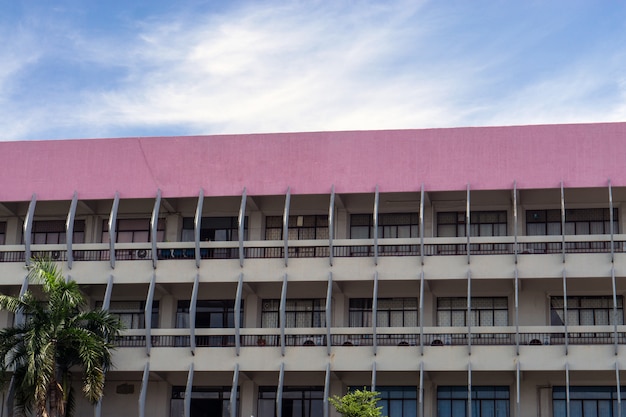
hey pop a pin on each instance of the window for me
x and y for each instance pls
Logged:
(210, 314)
(214, 229)
(577, 222)
(300, 227)
(132, 313)
(482, 223)
(390, 226)
(3, 232)
(205, 401)
(298, 312)
(486, 311)
(588, 401)
(486, 401)
(398, 401)
(133, 231)
(391, 312)
(52, 232)
(297, 401)
(586, 311)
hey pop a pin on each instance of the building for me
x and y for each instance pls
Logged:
(449, 269)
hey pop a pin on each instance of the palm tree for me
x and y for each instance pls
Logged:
(58, 336)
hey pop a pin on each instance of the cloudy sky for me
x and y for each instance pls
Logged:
(93, 68)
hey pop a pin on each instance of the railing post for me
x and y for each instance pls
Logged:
(467, 223)
(148, 313)
(375, 313)
(331, 224)
(238, 314)
(329, 295)
(69, 230)
(188, 392)
(193, 308)
(112, 229)
(421, 226)
(283, 314)
(286, 224)
(234, 391)
(28, 228)
(241, 223)
(373, 387)
(197, 226)
(563, 221)
(326, 390)
(421, 313)
(154, 224)
(376, 204)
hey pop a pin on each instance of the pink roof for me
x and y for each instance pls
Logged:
(582, 155)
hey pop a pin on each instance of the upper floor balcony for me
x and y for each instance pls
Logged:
(392, 348)
(438, 257)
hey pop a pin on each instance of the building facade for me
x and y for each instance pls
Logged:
(456, 271)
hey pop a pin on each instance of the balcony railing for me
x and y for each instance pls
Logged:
(342, 248)
(346, 337)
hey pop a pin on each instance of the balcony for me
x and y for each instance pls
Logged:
(394, 349)
(538, 256)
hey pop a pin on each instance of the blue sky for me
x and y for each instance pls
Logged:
(93, 68)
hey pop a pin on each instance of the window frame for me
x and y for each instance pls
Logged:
(462, 308)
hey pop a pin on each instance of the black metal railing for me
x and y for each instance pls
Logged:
(323, 251)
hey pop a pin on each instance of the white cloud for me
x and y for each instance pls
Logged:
(302, 66)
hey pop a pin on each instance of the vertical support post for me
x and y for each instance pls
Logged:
(106, 303)
(193, 308)
(19, 316)
(28, 228)
(611, 226)
(376, 205)
(286, 225)
(148, 313)
(567, 398)
(421, 390)
(516, 312)
(565, 311)
(329, 299)
(154, 223)
(518, 378)
(421, 313)
(615, 320)
(469, 388)
(331, 224)
(469, 312)
(421, 214)
(467, 223)
(563, 221)
(283, 314)
(279, 391)
(113, 228)
(515, 231)
(373, 388)
(238, 314)
(197, 226)
(327, 391)
(97, 409)
(619, 390)
(241, 222)
(69, 230)
(188, 392)
(234, 391)
(144, 390)
(375, 313)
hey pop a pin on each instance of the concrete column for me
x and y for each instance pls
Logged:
(173, 227)
(14, 231)
(248, 398)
